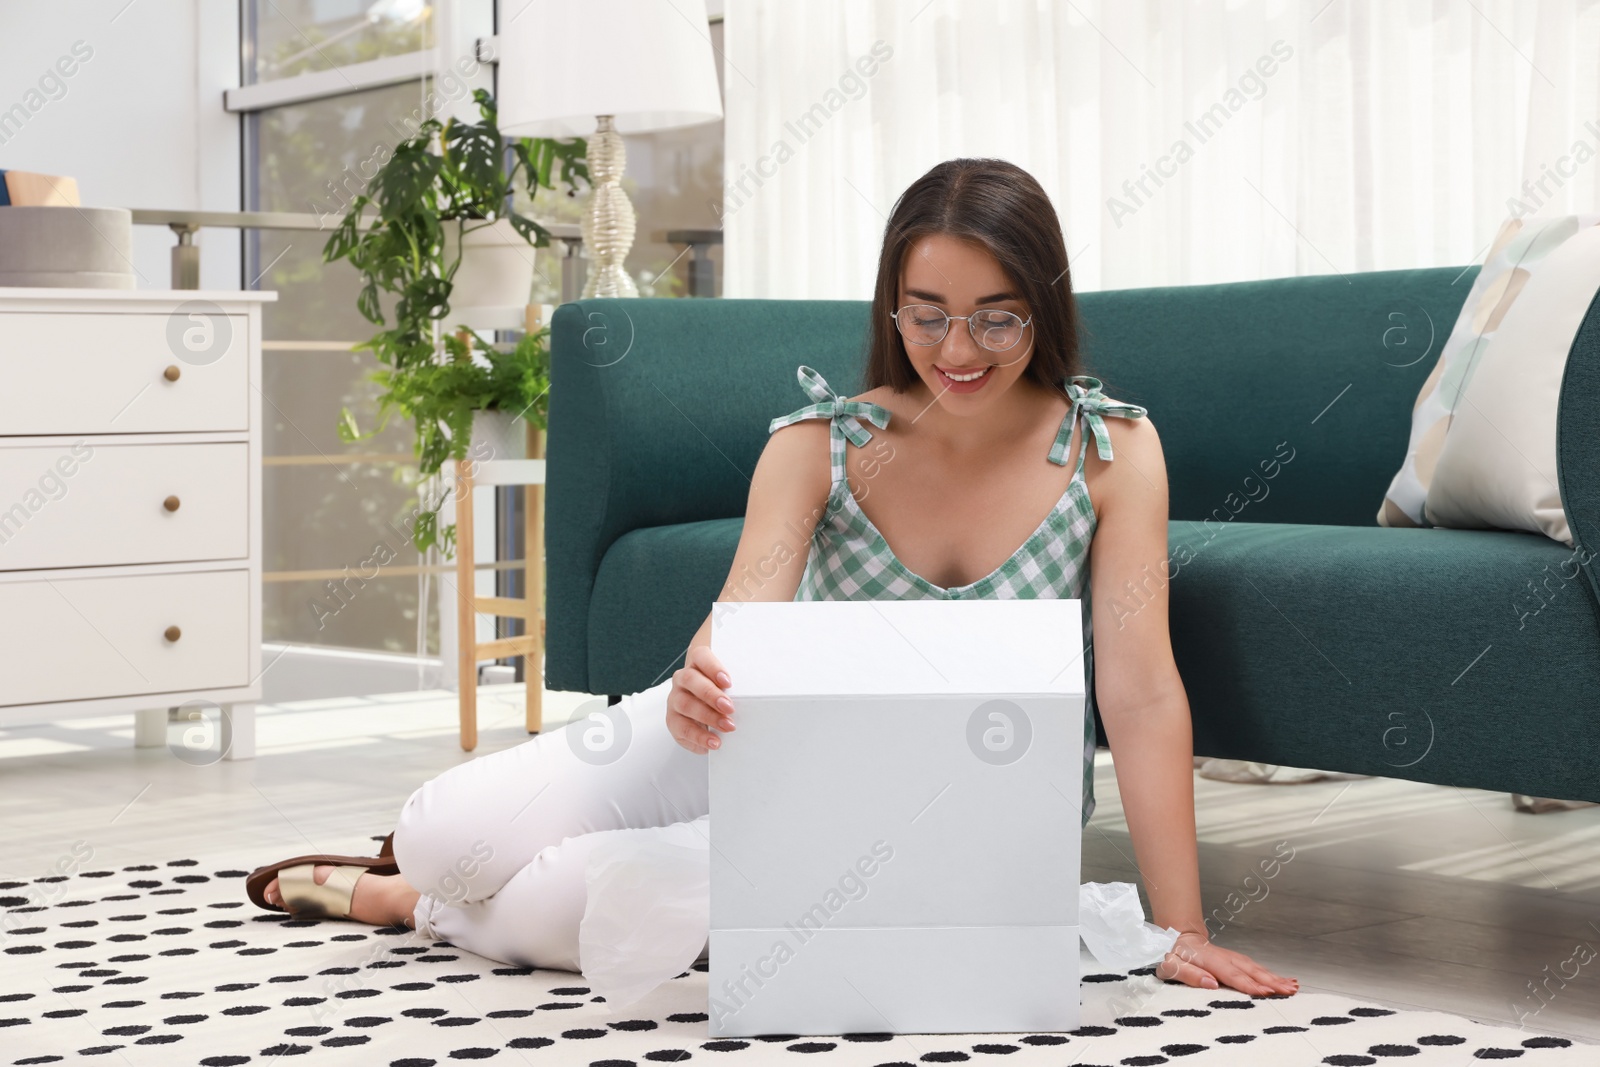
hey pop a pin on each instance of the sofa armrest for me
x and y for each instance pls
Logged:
(1578, 445)
(658, 413)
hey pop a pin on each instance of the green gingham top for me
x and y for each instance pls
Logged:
(850, 560)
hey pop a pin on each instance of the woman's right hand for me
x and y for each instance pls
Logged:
(697, 706)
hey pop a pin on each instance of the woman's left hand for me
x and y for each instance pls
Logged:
(1195, 961)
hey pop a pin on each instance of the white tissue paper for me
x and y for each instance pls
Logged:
(1112, 924)
(647, 916)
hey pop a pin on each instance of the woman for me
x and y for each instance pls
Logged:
(980, 424)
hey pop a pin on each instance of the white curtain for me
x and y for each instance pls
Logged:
(1181, 141)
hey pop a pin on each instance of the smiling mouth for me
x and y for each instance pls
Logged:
(965, 376)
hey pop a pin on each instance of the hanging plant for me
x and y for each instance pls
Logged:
(461, 175)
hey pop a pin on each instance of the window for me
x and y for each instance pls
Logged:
(330, 85)
(333, 512)
(288, 37)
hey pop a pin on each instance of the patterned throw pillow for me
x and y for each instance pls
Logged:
(1482, 448)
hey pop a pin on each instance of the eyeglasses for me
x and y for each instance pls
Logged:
(924, 324)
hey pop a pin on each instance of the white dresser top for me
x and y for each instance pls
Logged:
(18, 299)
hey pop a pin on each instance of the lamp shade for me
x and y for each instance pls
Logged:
(563, 62)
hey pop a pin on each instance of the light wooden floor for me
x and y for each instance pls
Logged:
(1412, 895)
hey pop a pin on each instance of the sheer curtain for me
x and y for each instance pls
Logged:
(1182, 141)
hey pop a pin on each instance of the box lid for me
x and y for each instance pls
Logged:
(900, 647)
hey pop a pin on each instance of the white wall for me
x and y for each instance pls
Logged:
(139, 123)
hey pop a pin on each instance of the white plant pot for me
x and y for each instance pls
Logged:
(496, 268)
(498, 435)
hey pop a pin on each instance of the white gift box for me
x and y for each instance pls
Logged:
(895, 831)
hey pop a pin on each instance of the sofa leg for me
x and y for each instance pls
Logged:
(613, 698)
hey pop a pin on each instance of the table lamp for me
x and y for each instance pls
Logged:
(600, 69)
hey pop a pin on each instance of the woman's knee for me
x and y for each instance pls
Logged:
(434, 850)
(452, 879)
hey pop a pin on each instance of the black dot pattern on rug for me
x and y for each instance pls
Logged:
(112, 939)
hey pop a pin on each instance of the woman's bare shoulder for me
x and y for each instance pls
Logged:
(1137, 467)
(1138, 435)
(799, 453)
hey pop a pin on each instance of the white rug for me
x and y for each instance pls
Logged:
(169, 964)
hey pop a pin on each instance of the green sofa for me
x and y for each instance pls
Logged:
(1306, 635)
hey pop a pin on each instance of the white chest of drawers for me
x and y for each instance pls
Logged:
(130, 510)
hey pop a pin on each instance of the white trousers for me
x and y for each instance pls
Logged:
(497, 846)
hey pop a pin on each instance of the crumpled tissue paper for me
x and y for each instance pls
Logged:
(1112, 924)
(647, 918)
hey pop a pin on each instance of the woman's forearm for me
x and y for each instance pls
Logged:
(1154, 751)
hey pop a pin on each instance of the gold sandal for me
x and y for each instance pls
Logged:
(303, 898)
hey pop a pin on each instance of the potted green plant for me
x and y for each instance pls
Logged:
(439, 186)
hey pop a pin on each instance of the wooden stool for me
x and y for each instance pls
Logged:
(530, 474)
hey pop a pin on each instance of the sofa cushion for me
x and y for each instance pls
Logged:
(1447, 656)
(1235, 374)
(1397, 652)
(678, 571)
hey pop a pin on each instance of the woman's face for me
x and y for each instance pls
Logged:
(962, 277)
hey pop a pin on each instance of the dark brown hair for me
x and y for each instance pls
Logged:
(1002, 207)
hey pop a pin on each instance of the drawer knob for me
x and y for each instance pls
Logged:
(173, 633)
(171, 503)
(172, 373)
